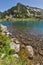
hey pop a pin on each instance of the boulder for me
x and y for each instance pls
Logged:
(5, 30)
(15, 46)
(30, 50)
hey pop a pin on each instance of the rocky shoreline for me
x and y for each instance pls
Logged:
(33, 40)
(28, 47)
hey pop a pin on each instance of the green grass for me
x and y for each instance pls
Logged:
(10, 60)
(5, 49)
(21, 19)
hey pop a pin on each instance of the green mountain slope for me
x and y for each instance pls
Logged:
(22, 11)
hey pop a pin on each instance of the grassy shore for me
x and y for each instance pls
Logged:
(21, 19)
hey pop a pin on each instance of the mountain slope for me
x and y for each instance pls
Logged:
(22, 11)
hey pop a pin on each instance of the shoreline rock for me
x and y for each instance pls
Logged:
(15, 46)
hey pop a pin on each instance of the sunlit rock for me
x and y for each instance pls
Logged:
(15, 55)
(38, 64)
(15, 46)
(30, 50)
(15, 40)
(4, 28)
(2, 55)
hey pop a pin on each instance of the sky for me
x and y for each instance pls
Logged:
(6, 4)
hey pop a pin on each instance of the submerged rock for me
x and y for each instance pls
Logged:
(41, 52)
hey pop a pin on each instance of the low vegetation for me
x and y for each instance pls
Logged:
(6, 57)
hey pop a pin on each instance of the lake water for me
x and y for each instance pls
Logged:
(28, 27)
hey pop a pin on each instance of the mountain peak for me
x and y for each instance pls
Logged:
(19, 3)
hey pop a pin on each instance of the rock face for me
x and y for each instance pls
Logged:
(30, 50)
(15, 46)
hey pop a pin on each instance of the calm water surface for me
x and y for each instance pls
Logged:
(25, 27)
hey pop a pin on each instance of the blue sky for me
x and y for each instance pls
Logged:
(6, 4)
